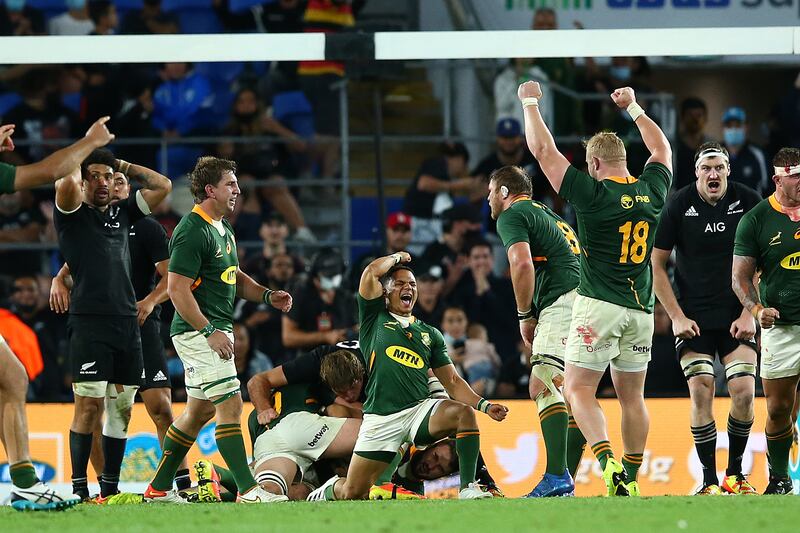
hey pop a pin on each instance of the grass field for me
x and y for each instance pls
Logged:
(707, 514)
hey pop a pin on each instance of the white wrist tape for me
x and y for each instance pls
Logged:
(531, 100)
(635, 111)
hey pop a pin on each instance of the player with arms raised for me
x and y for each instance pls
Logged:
(400, 350)
(612, 318)
(768, 240)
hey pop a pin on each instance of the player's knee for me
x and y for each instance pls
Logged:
(161, 412)
(352, 491)
(14, 388)
(88, 413)
(702, 389)
(465, 415)
(780, 408)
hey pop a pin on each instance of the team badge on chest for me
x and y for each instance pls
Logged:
(426, 339)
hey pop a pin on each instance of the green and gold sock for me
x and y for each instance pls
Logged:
(386, 475)
(632, 462)
(602, 450)
(778, 446)
(576, 444)
(231, 447)
(176, 445)
(23, 475)
(227, 482)
(468, 446)
(554, 419)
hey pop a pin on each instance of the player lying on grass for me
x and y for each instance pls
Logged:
(398, 408)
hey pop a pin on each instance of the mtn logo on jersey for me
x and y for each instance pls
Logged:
(229, 275)
(732, 208)
(405, 357)
(791, 262)
(691, 212)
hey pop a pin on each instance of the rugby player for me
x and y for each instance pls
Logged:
(612, 317)
(700, 222)
(401, 350)
(28, 492)
(203, 281)
(104, 341)
(543, 255)
(768, 241)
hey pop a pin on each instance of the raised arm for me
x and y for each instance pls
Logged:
(69, 191)
(64, 161)
(370, 286)
(540, 140)
(744, 269)
(652, 136)
(155, 186)
(260, 389)
(523, 279)
(682, 327)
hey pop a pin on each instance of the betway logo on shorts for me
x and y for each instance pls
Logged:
(791, 262)
(640, 349)
(405, 357)
(229, 275)
(318, 436)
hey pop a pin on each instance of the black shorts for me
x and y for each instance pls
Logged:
(156, 374)
(105, 349)
(714, 342)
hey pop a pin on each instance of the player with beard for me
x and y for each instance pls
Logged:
(28, 492)
(768, 240)
(708, 321)
(104, 343)
(398, 408)
(203, 281)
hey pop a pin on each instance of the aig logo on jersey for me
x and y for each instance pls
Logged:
(627, 202)
(405, 357)
(229, 275)
(715, 227)
(791, 262)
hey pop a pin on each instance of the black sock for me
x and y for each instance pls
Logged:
(705, 440)
(113, 452)
(182, 479)
(738, 433)
(80, 448)
(482, 474)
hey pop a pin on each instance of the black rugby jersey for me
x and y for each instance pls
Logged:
(703, 236)
(148, 245)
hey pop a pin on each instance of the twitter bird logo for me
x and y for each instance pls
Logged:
(519, 462)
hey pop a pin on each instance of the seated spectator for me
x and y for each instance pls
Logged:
(75, 21)
(515, 375)
(269, 161)
(475, 357)
(135, 119)
(102, 92)
(431, 192)
(18, 18)
(691, 134)
(398, 237)
(323, 312)
(249, 361)
(273, 233)
(488, 299)
(460, 224)
(506, 102)
(20, 224)
(430, 304)
(149, 20)
(748, 161)
(104, 17)
(51, 333)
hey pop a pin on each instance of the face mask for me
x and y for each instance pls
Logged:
(449, 339)
(329, 284)
(620, 73)
(733, 136)
(15, 5)
(76, 4)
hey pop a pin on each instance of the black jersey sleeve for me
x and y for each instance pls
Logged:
(669, 225)
(155, 240)
(749, 197)
(305, 368)
(135, 213)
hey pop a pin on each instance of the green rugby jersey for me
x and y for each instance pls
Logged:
(198, 251)
(294, 398)
(398, 358)
(8, 174)
(617, 221)
(768, 234)
(554, 247)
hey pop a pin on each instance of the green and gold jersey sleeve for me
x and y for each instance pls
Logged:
(186, 250)
(580, 189)
(439, 357)
(8, 174)
(746, 240)
(512, 227)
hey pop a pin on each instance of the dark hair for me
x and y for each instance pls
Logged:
(208, 171)
(710, 146)
(98, 9)
(513, 177)
(340, 369)
(475, 243)
(100, 156)
(454, 307)
(454, 149)
(386, 278)
(786, 157)
(452, 467)
(693, 102)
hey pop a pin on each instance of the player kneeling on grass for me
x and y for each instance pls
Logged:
(400, 350)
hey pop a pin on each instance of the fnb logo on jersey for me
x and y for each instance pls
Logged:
(405, 357)
(229, 275)
(791, 262)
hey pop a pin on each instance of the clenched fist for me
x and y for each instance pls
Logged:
(623, 97)
(529, 89)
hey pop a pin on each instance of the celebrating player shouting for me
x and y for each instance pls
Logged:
(400, 350)
(768, 240)
(612, 318)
